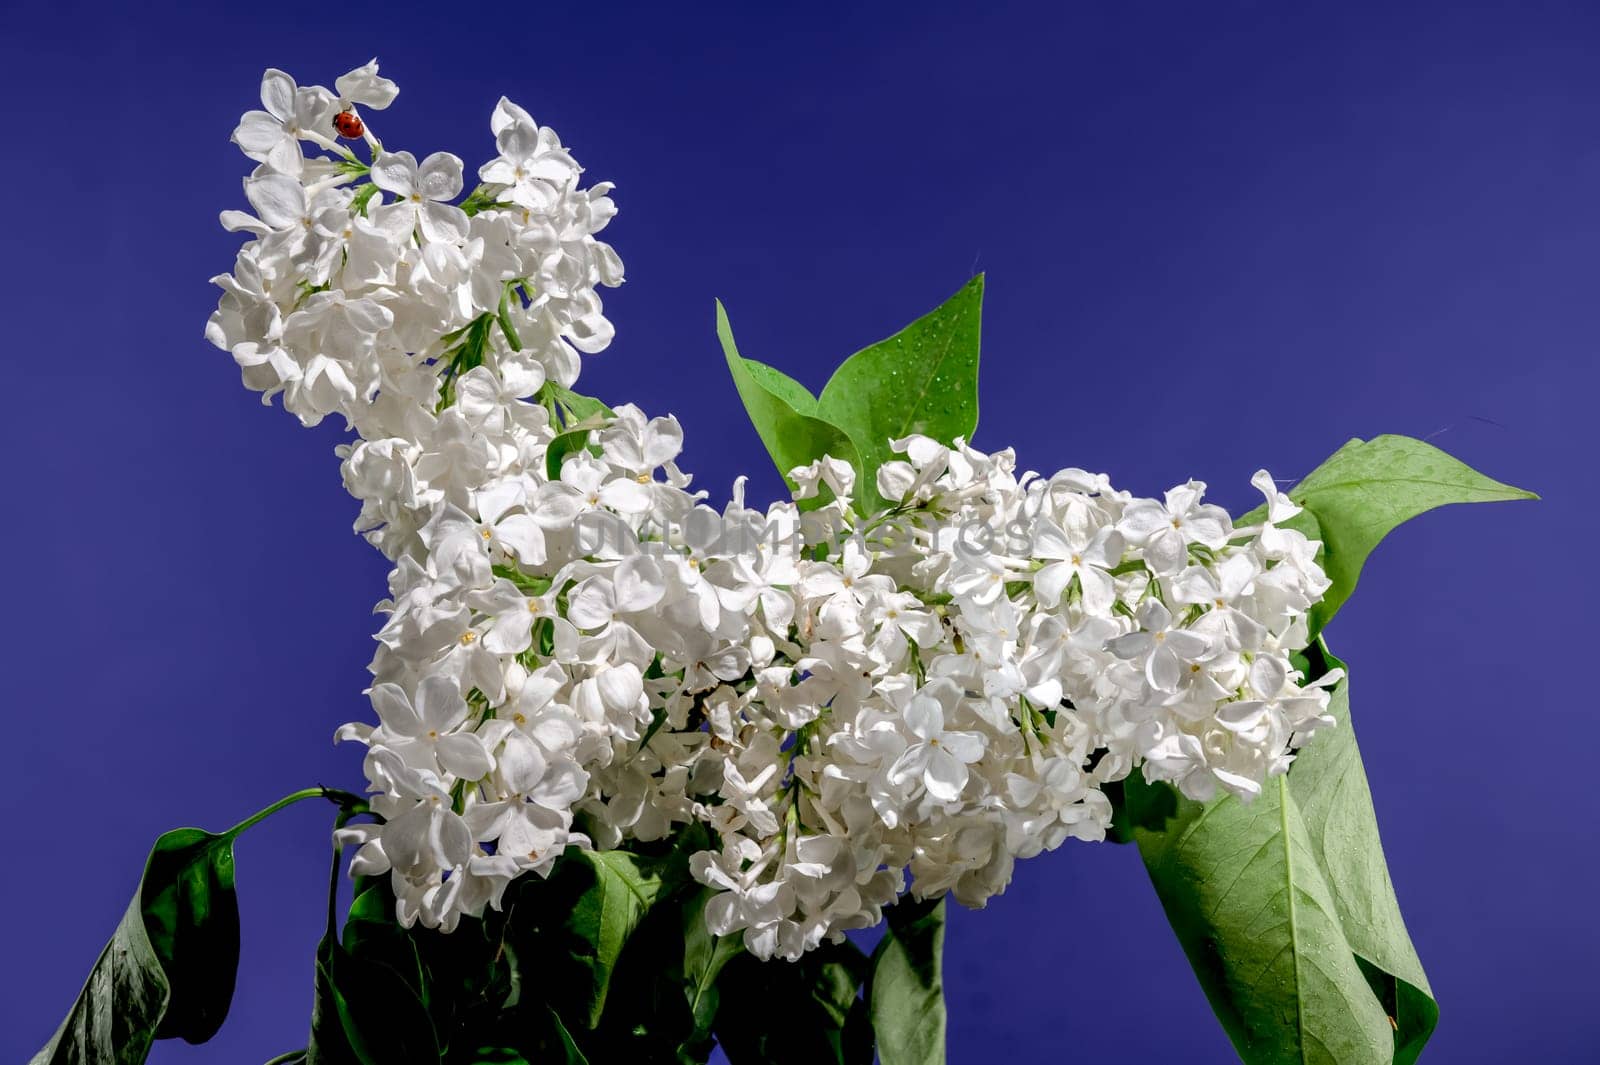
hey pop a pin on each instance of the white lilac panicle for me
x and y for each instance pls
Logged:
(839, 699)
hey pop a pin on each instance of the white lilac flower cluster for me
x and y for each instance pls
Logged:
(835, 698)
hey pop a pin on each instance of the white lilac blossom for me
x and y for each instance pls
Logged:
(849, 704)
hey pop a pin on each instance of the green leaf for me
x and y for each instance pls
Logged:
(1139, 805)
(192, 915)
(1367, 488)
(382, 1018)
(823, 1020)
(782, 411)
(479, 199)
(496, 1056)
(580, 415)
(579, 409)
(624, 885)
(1285, 909)
(327, 1044)
(924, 379)
(371, 931)
(371, 1001)
(783, 386)
(704, 957)
(563, 445)
(170, 967)
(571, 1055)
(503, 315)
(906, 990)
(362, 198)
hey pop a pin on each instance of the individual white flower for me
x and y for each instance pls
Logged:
(1166, 531)
(273, 135)
(743, 903)
(762, 578)
(366, 87)
(939, 758)
(332, 339)
(421, 193)
(838, 475)
(1164, 649)
(1303, 709)
(531, 821)
(1222, 590)
(428, 836)
(424, 734)
(507, 525)
(1079, 550)
(1280, 508)
(532, 164)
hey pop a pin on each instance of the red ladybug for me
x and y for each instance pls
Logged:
(348, 125)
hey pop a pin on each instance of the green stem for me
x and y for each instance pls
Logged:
(333, 875)
(344, 799)
(284, 1059)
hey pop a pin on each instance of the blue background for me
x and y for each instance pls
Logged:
(1217, 236)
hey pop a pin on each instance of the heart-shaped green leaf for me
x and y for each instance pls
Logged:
(1367, 488)
(924, 380)
(1285, 909)
(1284, 905)
(782, 411)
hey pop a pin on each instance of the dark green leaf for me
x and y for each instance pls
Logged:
(793, 437)
(1136, 803)
(1367, 488)
(327, 1044)
(371, 989)
(906, 991)
(924, 379)
(372, 932)
(1285, 909)
(819, 1016)
(119, 1008)
(170, 967)
(495, 1056)
(192, 914)
(623, 887)
(571, 1055)
(704, 957)
(383, 1019)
